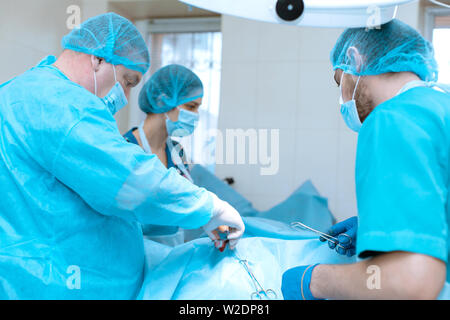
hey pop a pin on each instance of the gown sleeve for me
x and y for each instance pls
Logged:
(117, 178)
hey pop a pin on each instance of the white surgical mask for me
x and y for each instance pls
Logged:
(349, 111)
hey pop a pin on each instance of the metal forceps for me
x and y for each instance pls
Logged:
(260, 293)
(322, 234)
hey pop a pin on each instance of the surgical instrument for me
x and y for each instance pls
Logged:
(328, 237)
(260, 293)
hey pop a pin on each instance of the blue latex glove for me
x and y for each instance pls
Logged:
(295, 283)
(345, 232)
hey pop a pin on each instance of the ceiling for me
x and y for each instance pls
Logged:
(145, 9)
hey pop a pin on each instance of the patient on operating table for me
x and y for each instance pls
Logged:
(196, 270)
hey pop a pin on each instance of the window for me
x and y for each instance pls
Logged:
(197, 45)
(437, 27)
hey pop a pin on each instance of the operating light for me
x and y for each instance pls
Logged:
(314, 13)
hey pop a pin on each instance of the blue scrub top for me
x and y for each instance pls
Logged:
(402, 176)
(129, 136)
(74, 193)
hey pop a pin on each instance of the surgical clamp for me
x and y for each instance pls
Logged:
(260, 293)
(322, 234)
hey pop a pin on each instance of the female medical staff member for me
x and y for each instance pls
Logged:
(171, 99)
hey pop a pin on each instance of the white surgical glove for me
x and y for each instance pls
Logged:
(225, 215)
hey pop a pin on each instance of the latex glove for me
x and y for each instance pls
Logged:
(345, 232)
(296, 282)
(224, 215)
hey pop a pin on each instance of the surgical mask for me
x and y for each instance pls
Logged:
(349, 111)
(184, 126)
(430, 84)
(115, 99)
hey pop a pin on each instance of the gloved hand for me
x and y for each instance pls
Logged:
(224, 215)
(345, 232)
(296, 282)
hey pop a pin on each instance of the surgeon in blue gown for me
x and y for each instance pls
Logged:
(390, 96)
(74, 192)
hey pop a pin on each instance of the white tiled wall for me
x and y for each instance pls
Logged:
(29, 31)
(33, 29)
(280, 77)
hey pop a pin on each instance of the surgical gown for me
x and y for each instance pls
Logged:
(169, 235)
(402, 176)
(73, 191)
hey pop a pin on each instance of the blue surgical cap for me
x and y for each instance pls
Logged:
(113, 38)
(394, 47)
(168, 88)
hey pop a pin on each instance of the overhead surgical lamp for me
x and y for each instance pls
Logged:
(314, 13)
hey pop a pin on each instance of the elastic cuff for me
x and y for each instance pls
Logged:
(306, 282)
